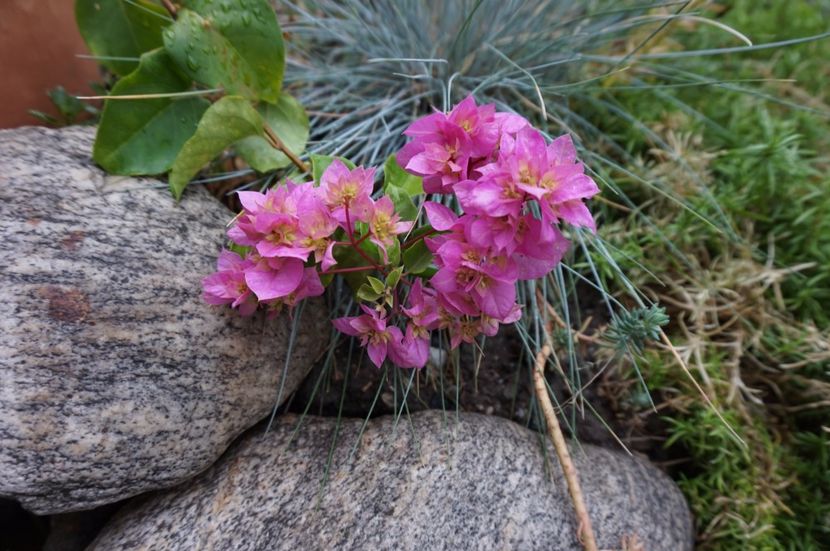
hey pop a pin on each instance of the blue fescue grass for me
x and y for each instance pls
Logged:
(364, 71)
(610, 73)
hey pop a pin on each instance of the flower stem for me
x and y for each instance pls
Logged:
(349, 243)
(585, 533)
(279, 145)
(348, 270)
(416, 239)
(171, 8)
(355, 244)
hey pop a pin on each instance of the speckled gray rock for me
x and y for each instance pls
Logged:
(115, 377)
(479, 484)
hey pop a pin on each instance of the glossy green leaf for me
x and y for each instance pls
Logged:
(417, 257)
(227, 121)
(119, 29)
(144, 136)
(319, 164)
(403, 203)
(377, 285)
(401, 187)
(347, 257)
(397, 177)
(394, 277)
(393, 253)
(231, 44)
(366, 293)
(289, 121)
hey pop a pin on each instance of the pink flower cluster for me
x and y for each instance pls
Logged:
(498, 166)
(514, 191)
(288, 233)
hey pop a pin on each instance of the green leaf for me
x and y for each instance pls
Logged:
(417, 258)
(319, 164)
(144, 136)
(231, 44)
(377, 285)
(289, 121)
(401, 187)
(115, 28)
(367, 293)
(227, 121)
(393, 252)
(397, 177)
(347, 257)
(394, 277)
(403, 203)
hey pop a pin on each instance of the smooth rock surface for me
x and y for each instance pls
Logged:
(115, 377)
(431, 484)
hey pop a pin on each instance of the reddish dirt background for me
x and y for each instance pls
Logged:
(38, 44)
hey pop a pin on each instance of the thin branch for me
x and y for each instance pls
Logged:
(585, 531)
(278, 144)
(170, 7)
(348, 270)
(189, 93)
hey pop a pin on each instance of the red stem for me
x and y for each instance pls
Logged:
(349, 243)
(348, 270)
(354, 243)
(413, 241)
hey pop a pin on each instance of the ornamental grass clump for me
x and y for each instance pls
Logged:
(456, 272)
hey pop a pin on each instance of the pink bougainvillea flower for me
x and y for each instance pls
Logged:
(280, 236)
(464, 330)
(494, 195)
(440, 217)
(509, 123)
(528, 161)
(501, 233)
(541, 247)
(271, 278)
(227, 285)
(465, 270)
(258, 209)
(576, 213)
(440, 153)
(565, 185)
(341, 188)
(423, 309)
(317, 226)
(310, 286)
(373, 332)
(479, 123)
(490, 326)
(385, 225)
(412, 350)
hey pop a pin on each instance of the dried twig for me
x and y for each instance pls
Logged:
(585, 532)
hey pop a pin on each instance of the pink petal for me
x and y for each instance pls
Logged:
(562, 150)
(577, 214)
(440, 217)
(344, 325)
(377, 353)
(268, 283)
(328, 257)
(251, 200)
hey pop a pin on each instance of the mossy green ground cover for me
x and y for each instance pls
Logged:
(744, 274)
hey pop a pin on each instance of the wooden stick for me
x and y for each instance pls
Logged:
(585, 531)
(278, 144)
